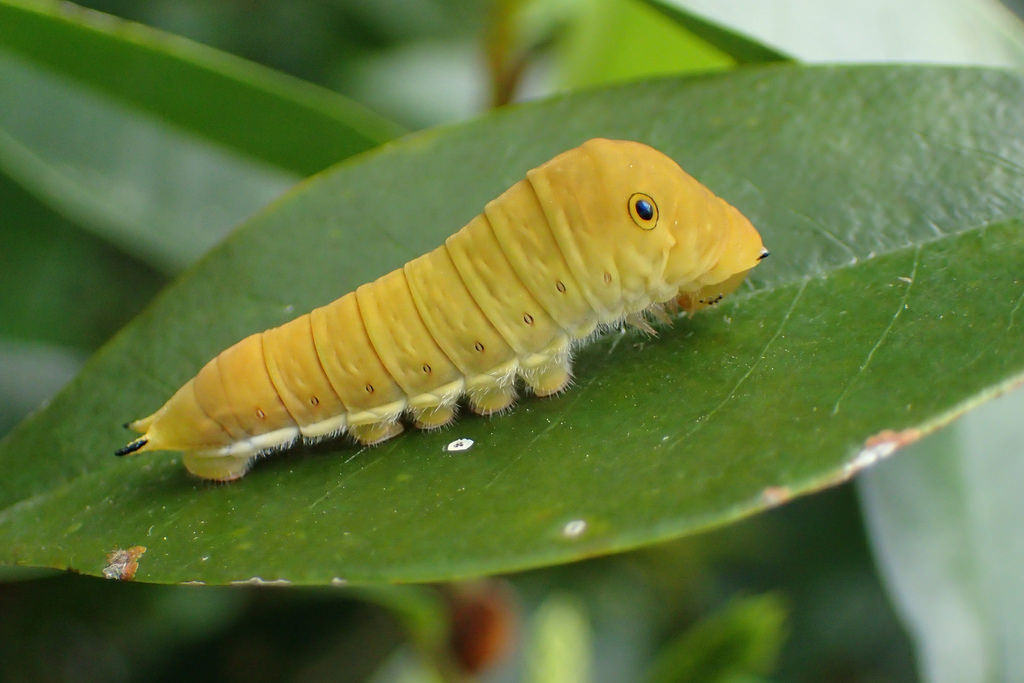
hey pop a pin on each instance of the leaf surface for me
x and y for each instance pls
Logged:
(891, 198)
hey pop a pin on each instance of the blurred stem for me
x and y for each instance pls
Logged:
(505, 63)
(484, 623)
(458, 630)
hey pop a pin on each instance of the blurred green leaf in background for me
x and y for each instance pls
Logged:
(982, 32)
(892, 199)
(944, 522)
(153, 142)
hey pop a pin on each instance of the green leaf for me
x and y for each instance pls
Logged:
(738, 46)
(152, 142)
(890, 197)
(46, 265)
(934, 31)
(945, 526)
(47, 325)
(255, 111)
(30, 373)
(739, 642)
(609, 41)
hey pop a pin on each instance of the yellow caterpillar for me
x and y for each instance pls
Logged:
(600, 233)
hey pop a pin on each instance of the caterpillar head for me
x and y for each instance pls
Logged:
(635, 227)
(709, 245)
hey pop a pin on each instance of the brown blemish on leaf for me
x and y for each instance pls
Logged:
(878, 447)
(776, 495)
(122, 564)
(896, 440)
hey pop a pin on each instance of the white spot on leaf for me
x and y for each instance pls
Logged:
(574, 528)
(459, 445)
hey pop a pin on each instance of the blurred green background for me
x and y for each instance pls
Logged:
(793, 594)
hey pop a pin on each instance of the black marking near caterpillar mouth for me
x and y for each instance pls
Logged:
(764, 255)
(132, 447)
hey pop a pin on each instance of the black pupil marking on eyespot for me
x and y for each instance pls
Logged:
(644, 209)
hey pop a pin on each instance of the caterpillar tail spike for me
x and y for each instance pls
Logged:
(584, 242)
(136, 445)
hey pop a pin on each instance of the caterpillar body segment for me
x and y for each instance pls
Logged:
(536, 259)
(302, 383)
(465, 334)
(422, 371)
(353, 367)
(488, 276)
(597, 235)
(453, 318)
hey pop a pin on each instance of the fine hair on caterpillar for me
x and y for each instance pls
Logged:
(604, 233)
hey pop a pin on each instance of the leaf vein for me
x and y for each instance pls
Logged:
(1013, 312)
(750, 370)
(885, 333)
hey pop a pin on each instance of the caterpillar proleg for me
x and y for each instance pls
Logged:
(599, 234)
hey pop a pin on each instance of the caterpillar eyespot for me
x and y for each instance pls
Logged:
(413, 341)
(643, 210)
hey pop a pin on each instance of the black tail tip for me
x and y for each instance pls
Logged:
(764, 254)
(132, 447)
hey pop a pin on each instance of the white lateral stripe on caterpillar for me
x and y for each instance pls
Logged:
(596, 235)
